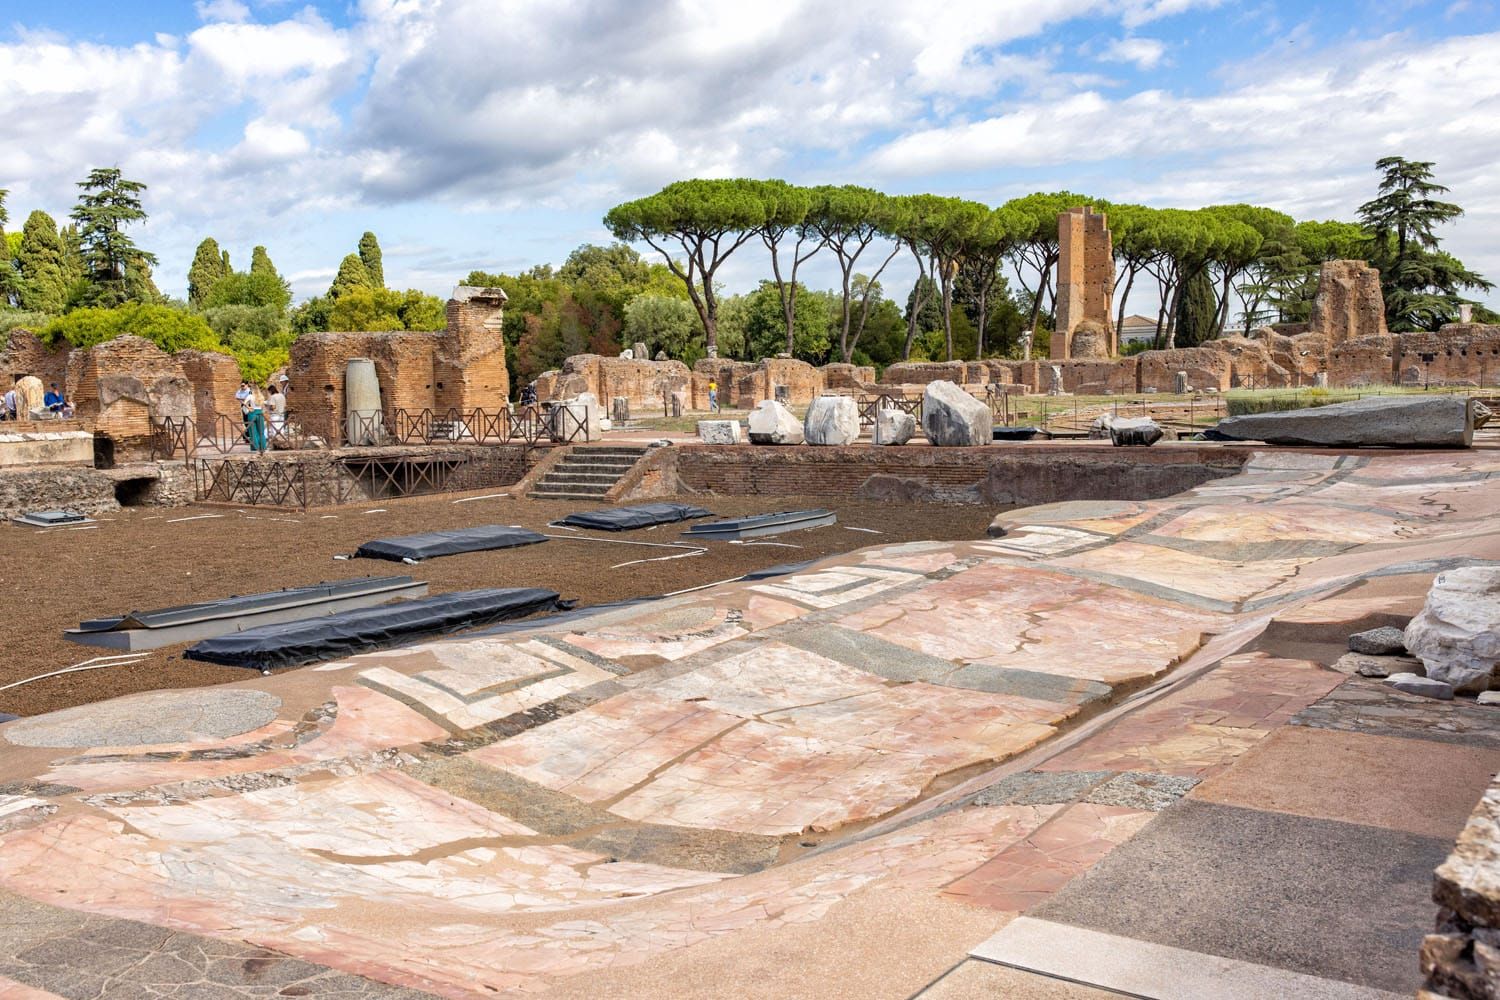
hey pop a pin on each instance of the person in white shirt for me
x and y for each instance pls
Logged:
(8, 411)
(275, 409)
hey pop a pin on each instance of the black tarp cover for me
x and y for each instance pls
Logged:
(448, 543)
(242, 604)
(640, 516)
(334, 636)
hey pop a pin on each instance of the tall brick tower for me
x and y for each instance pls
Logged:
(1085, 278)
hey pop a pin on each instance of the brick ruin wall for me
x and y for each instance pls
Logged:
(1463, 354)
(1348, 304)
(25, 354)
(641, 382)
(94, 491)
(1085, 279)
(461, 367)
(1018, 474)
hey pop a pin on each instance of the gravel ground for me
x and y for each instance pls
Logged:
(144, 558)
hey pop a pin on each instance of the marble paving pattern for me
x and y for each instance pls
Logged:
(517, 812)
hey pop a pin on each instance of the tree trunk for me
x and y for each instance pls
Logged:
(1120, 313)
(1172, 313)
(1223, 319)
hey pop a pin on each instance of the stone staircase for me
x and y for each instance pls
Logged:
(586, 472)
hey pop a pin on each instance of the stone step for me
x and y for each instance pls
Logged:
(608, 452)
(591, 489)
(595, 465)
(563, 495)
(555, 476)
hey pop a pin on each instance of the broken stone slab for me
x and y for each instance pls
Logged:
(639, 352)
(619, 409)
(1376, 421)
(1424, 686)
(1489, 698)
(1387, 640)
(679, 402)
(593, 413)
(719, 431)
(1134, 431)
(831, 420)
(772, 423)
(1367, 665)
(954, 419)
(894, 426)
(1457, 632)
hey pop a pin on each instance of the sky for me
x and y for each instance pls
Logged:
(495, 134)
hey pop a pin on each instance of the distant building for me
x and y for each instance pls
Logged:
(1136, 329)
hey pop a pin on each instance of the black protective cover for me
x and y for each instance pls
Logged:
(448, 543)
(241, 604)
(333, 636)
(640, 516)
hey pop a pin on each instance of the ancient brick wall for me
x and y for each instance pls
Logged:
(1206, 369)
(469, 370)
(1302, 355)
(1348, 304)
(1098, 378)
(404, 364)
(803, 383)
(215, 378)
(121, 384)
(1457, 354)
(922, 372)
(641, 382)
(1010, 474)
(25, 354)
(1251, 364)
(1363, 361)
(1085, 278)
(839, 377)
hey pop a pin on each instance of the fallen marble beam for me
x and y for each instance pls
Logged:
(1375, 421)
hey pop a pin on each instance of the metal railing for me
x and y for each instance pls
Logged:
(185, 437)
(523, 425)
(869, 406)
(261, 484)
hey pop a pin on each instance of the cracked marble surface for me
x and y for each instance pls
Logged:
(518, 812)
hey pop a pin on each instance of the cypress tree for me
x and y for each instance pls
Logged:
(260, 262)
(352, 275)
(209, 267)
(1197, 311)
(369, 255)
(41, 265)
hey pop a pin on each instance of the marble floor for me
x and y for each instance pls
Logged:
(889, 773)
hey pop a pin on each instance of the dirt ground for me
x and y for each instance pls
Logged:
(144, 558)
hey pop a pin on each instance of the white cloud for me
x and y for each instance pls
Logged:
(1143, 52)
(221, 10)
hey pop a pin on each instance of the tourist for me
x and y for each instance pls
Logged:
(8, 406)
(54, 400)
(528, 394)
(255, 419)
(713, 396)
(275, 409)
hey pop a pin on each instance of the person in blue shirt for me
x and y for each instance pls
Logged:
(53, 400)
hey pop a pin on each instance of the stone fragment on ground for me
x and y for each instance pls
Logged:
(1136, 431)
(1368, 665)
(1425, 686)
(1387, 640)
(719, 431)
(831, 420)
(894, 426)
(772, 423)
(953, 418)
(1389, 421)
(1457, 632)
(1489, 698)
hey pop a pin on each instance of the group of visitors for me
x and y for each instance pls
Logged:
(264, 411)
(20, 401)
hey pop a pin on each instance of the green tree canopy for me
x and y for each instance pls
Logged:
(663, 323)
(41, 265)
(707, 220)
(1421, 283)
(385, 309)
(118, 269)
(369, 256)
(209, 267)
(352, 274)
(249, 288)
(169, 328)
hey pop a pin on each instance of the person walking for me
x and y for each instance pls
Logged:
(713, 396)
(255, 420)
